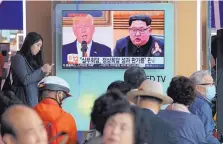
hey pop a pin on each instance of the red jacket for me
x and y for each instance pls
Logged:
(50, 112)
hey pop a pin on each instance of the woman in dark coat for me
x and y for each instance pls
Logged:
(27, 69)
(190, 129)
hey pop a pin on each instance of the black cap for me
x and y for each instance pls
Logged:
(144, 18)
(134, 76)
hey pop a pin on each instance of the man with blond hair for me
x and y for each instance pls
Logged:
(83, 29)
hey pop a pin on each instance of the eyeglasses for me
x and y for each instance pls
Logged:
(140, 30)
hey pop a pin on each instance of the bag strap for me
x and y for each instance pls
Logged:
(9, 76)
(52, 125)
(8, 81)
(26, 61)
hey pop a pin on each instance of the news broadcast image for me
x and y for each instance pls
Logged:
(112, 39)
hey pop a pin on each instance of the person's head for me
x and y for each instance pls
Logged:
(113, 116)
(149, 95)
(106, 105)
(120, 85)
(32, 49)
(134, 76)
(182, 90)
(120, 125)
(140, 29)
(22, 125)
(204, 83)
(83, 28)
(54, 87)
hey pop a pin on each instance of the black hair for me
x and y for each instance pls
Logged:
(182, 90)
(37, 60)
(112, 103)
(144, 18)
(6, 128)
(120, 85)
(134, 76)
(106, 105)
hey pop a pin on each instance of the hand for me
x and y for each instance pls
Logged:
(46, 68)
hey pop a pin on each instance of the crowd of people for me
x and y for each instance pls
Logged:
(129, 111)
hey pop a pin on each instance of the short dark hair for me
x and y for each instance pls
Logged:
(134, 76)
(182, 90)
(120, 85)
(106, 105)
(144, 18)
(6, 127)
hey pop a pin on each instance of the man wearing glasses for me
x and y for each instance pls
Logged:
(140, 42)
(202, 106)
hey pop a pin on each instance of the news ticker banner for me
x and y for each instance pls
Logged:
(113, 62)
(88, 84)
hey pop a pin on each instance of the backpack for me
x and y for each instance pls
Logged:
(54, 136)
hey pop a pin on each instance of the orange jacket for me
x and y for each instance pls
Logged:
(50, 111)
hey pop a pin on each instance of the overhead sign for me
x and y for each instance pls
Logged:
(220, 3)
(11, 15)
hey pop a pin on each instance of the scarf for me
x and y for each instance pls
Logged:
(178, 107)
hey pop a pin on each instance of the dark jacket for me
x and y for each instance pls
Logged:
(97, 50)
(157, 130)
(25, 80)
(202, 108)
(189, 127)
(122, 47)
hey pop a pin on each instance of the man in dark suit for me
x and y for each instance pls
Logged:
(84, 29)
(140, 42)
(149, 97)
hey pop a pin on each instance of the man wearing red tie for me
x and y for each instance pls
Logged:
(83, 28)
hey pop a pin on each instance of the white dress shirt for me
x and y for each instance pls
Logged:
(79, 49)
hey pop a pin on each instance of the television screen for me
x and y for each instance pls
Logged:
(112, 39)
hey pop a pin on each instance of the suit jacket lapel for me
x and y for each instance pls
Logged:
(94, 51)
(75, 46)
